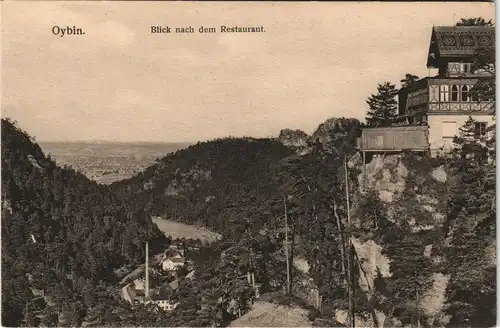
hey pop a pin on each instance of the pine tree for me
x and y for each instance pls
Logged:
(466, 131)
(468, 143)
(382, 106)
(474, 21)
(491, 143)
(485, 87)
(471, 224)
(409, 80)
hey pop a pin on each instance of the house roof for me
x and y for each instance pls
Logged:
(177, 259)
(174, 284)
(458, 41)
(160, 298)
(164, 289)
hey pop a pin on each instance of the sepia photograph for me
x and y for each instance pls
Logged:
(248, 164)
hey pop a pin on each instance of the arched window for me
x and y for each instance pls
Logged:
(454, 93)
(465, 93)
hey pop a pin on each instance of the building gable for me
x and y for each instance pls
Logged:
(458, 42)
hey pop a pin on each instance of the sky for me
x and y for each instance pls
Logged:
(119, 82)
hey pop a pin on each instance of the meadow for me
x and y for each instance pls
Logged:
(177, 230)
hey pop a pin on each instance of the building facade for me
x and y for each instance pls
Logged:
(173, 263)
(164, 303)
(443, 103)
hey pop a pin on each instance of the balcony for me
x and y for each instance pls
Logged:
(445, 96)
(393, 139)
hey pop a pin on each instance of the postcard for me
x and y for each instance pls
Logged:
(248, 164)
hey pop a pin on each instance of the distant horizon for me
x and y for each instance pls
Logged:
(111, 141)
(148, 141)
(115, 141)
(120, 81)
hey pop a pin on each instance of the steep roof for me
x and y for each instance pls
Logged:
(458, 41)
(177, 259)
(160, 298)
(174, 284)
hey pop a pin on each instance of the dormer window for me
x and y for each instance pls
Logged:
(465, 68)
(454, 68)
(459, 68)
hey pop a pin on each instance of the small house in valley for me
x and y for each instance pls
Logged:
(164, 303)
(173, 263)
(163, 297)
(139, 284)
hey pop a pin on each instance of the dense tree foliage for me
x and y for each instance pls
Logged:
(382, 106)
(474, 21)
(485, 87)
(240, 187)
(202, 182)
(235, 186)
(471, 230)
(408, 80)
(67, 235)
(61, 233)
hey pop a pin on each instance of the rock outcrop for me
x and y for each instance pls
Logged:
(266, 314)
(295, 139)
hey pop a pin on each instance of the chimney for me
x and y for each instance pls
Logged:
(146, 292)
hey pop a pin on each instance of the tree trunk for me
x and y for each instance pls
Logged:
(342, 241)
(388, 322)
(372, 307)
(292, 253)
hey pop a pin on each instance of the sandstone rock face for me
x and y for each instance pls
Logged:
(332, 134)
(325, 131)
(296, 139)
(414, 198)
(182, 183)
(293, 138)
(439, 174)
(370, 253)
(265, 314)
(34, 162)
(433, 300)
(386, 174)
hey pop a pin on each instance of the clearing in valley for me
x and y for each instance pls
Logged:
(177, 230)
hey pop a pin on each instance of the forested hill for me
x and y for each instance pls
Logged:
(61, 233)
(424, 228)
(201, 183)
(423, 231)
(238, 187)
(213, 182)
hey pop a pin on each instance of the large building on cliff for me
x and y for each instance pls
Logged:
(439, 105)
